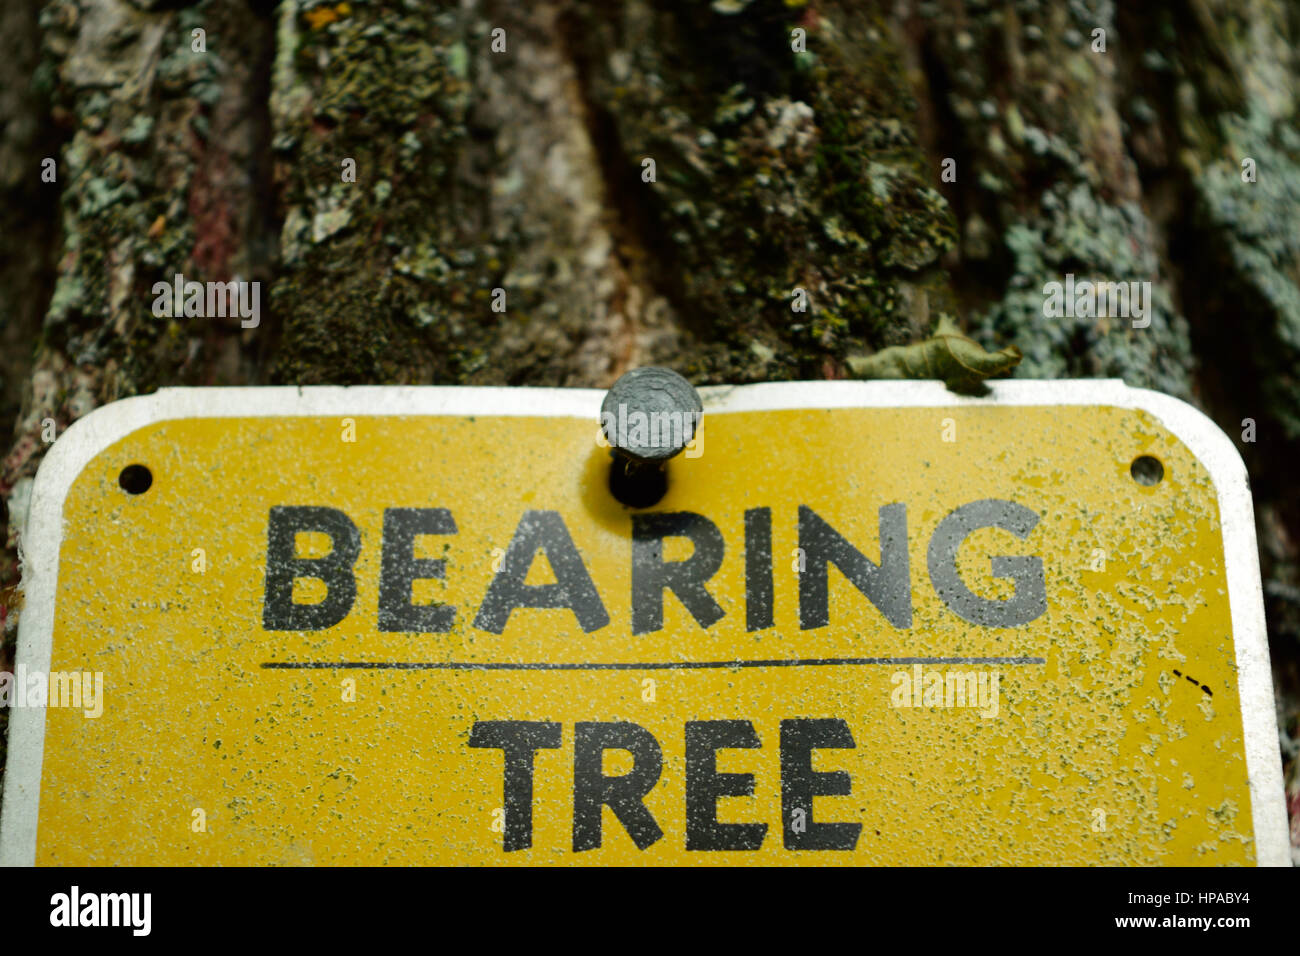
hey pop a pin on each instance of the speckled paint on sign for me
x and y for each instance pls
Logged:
(1134, 711)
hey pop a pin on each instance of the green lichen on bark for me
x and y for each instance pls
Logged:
(1042, 162)
(774, 170)
(1232, 103)
(388, 278)
(1256, 222)
(1076, 233)
(145, 189)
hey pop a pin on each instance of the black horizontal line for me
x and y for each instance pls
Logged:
(644, 666)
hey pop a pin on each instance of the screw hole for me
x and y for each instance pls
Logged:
(1147, 470)
(135, 479)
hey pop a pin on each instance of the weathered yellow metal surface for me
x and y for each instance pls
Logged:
(1124, 745)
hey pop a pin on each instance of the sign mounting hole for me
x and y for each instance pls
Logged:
(135, 479)
(1147, 470)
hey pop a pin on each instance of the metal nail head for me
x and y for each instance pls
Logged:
(648, 416)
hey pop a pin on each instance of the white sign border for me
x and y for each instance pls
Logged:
(86, 438)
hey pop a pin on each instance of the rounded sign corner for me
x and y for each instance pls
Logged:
(88, 436)
(1200, 433)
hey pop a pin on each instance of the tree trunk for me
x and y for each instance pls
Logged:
(527, 169)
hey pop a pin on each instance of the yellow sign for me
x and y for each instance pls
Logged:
(868, 624)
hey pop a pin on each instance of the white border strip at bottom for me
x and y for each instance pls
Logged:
(103, 427)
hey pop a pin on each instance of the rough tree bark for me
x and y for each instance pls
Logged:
(522, 170)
